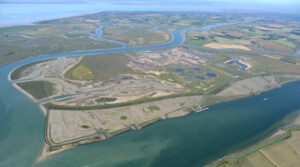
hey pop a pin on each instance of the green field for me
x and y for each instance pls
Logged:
(154, 108)
(133, 28)
(123, 117)
(38, 89)
(106, 99)
(82, 72)
(100, 67)
(257, 37)
(287, 43)
(135, 35)
(15, 48)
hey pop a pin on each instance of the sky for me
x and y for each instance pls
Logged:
(281, 6)
(147, 1)
(23, 13)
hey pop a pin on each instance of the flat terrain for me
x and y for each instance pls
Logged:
(66, 126)
(38, 89)
(79, 33)
(279, 151)
(278, 37)
(135, 34)
(92, 97)
(224, 46)
(17, 43)
(99, 67)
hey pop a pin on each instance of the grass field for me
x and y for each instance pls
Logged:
(263, 65)
(133, 28)
(136, 35)
(154, 108)
(287, 43)
(83, 73)
(106, 99)
(257, 159)
(15, 48)
(248, 36)
(100, 67)
(281, 154)
(38, 89)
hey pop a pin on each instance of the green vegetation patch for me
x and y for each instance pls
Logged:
(85, 126)
(54, 148)
(106, 99)
(16, 48)
(123, 117)
(100, 67)
(82, 72)
(154, 108)
(135, 35)
(287, 43)
(38, 89)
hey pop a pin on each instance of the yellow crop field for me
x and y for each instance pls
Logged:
(256, 159)
(294, 141)
(92, 21)
(281, 151)
(282, 154)
(263, 28)
(223, 46)
(276, 57)
(82, 72)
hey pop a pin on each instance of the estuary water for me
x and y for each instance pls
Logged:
(26, 13)
(193, 140)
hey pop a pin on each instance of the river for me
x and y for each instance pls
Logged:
(193, 140)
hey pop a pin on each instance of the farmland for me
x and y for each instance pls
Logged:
(261, 36)
(99, 67)
(14, 47)
(281, 150)
(136, 35)
(38, 89)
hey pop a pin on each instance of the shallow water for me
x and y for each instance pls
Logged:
(243, 67)
(25, 13)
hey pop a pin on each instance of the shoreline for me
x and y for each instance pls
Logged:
(46, 154)
(271, 140)
(91, 139)
(289, 123)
